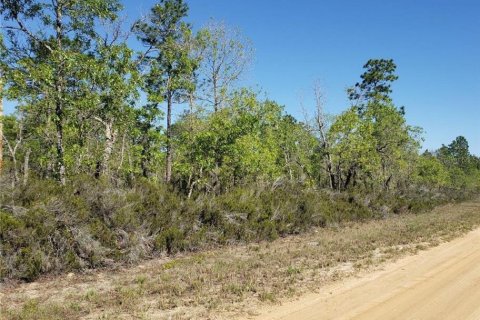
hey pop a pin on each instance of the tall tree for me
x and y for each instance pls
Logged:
(148, 135)
(321, 127)
(3, 53)
(46, 42)
(390, 140)
(460, 152)
(170, 61)
(114, 87)
(456, 154)
(376, 83)
(226, 55)
(352, 150)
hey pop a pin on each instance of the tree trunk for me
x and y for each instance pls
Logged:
(347, 179)
(26, 167)
(110, 136)
(331, 175)
(59, 84)
(60, 151)
(328, 157)
(13, 155)
(287, 163)
(190, 189)
(215, 95)
(144, 160)
(387, 183)
(122, 153)
(168, 163)
(350, 177)
(320, 120)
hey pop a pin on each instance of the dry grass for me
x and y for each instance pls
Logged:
(226, 282)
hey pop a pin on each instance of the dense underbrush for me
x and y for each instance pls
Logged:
(46, 228)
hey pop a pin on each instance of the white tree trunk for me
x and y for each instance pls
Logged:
(110, 136)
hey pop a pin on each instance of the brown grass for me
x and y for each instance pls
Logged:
(223, 283)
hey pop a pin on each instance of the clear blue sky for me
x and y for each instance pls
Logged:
(435, 43)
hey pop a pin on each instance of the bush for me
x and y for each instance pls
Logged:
(28, 264)
(172, 240)
(91, 223)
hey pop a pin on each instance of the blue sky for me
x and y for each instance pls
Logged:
(435, 43)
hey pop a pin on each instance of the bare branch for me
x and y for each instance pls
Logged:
(226, 56)
(21, 27)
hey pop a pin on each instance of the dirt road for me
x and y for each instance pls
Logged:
(442, 283)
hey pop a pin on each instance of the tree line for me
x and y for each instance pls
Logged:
(174, 113)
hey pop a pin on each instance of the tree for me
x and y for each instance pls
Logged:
(47, 41)
(226, 55)
(148, 136)
(113, 89)
(376, 83)
(459, 150)
(352, 150)
(462, 166)
(297, 147)
(320, 127)
(13, 137)
(171, 64)
(2, 56)
(247, 141)
(394, 139)
(379, 128)
(430, 171)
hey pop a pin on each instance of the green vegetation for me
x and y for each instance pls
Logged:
(236, 281)
(91, 223)
(90, 177)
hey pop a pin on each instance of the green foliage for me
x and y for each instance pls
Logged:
(50, 46)
(248, 141)
(371, 141)
(238, 168)
(431, 172)
(461, 166)
(352, 147)
(28, 264)
(376, 82)
(81, 116)
(113, 224)
(170, 240)
(172, 66)
(148, 138)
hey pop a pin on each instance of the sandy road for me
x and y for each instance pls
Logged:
(441, 283)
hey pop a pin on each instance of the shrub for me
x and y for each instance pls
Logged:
(28, 264)
(90, 223)
(172, 240)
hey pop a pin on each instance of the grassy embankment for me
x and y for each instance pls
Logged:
(223, 282)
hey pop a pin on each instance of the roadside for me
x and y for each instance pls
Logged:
(441, 283)
(238, 281)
